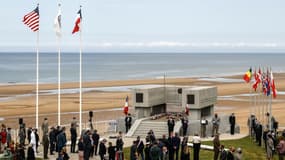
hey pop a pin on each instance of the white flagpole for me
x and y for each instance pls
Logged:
(59, 77)
(37, 82)
(80, 80)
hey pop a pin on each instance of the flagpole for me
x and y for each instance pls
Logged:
(270, 104)
(80, 80)
(59, 79)
(37, 81)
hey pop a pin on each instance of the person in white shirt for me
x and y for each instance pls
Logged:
(33, 140)
(196, 146)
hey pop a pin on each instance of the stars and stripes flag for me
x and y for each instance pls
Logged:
(126, 107)
(57, 23)
(32, 19)
(77, 25)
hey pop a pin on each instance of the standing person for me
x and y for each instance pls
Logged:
(29, 135)
(45, 138)
(281, 148)
(165, 155)
(185, 153)
(73, 134)
(119, 142)
(224, 153)
(87, 144)
(95, 137)
(155, 151)
(232, 121)
(45, 141)
(231, 152)
(61, 140)
(31, 152)
(204, 123)
(184, 122)
(133, 151)
(147, 151)
(216, 143)
(80, 149)
(170, 124)
(3, 137)
(140, 147)
(111, 151)
(9, 137)
(128, 122)
(22, 135)
(102, 149)
(33, 142)
(176, 145)
(196, 146)
(37, 140)
(52, 140)
(216, 123)
(258, 132)
(171, 146)
(270, 147)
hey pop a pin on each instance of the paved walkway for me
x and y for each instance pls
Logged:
(128, 143)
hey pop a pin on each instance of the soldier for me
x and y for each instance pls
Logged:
(170, 124)
(22, 134)
(45, 138)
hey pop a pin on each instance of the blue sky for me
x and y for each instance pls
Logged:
(150, 25)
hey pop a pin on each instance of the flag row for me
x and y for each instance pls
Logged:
(263, 79)
(32, 20)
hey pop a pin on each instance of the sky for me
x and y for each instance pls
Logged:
(149, 26)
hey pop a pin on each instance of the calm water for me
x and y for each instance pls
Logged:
(21, 67)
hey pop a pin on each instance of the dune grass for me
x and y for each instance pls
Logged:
(250, 150)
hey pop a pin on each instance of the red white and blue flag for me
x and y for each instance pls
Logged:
(32, 19)
(187, 109)
(126, 107)
(258, 79)
(77, 26)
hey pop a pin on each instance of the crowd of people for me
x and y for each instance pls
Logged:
(273, 142)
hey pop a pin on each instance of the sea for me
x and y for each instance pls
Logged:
(17, 68)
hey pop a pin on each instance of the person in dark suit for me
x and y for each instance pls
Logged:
(87, 144)
(73, 138)
(184, 122)
(176, 145)
(119, 142)
(133, 151)
(95, 137)
(216, 143)
(171, 146)
(232, 120)
(111, 151)
(170, 124)
(140, 147)
(128, 122)
(185, 153)
(52, 140)
(223, 155)
(147, 151)
(31, 153)
(102, 149)
(258, 133)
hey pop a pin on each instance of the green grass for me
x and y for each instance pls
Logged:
(250, 150)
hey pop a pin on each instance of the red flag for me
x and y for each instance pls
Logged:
(78, 19)
(247, 76)
(272, 84)
(187, 109)
(257, 77)
(126, 107)
(32, 19)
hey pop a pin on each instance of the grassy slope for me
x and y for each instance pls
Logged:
(250, 150)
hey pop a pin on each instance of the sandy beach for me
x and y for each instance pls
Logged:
(18, 100)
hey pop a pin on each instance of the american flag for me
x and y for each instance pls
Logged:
(32, 19)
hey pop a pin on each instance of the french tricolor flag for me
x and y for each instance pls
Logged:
(126, 107)
(78, 19)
